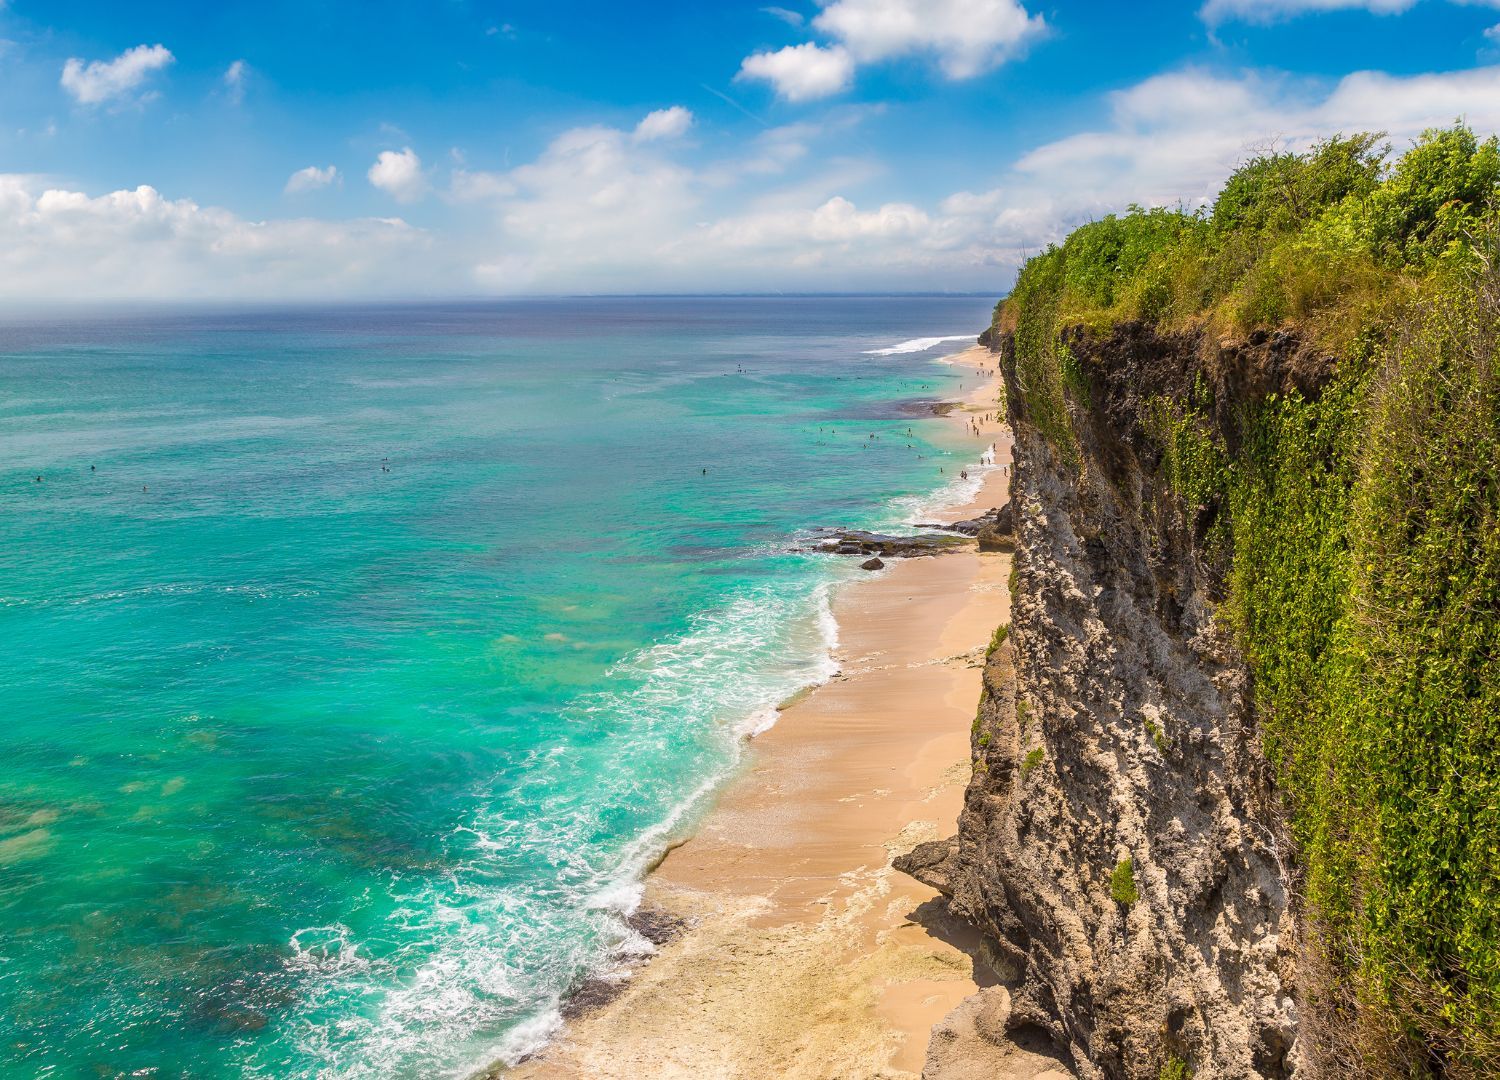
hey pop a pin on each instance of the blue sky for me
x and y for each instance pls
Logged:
(469, 147)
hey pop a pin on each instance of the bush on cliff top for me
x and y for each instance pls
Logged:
(1359, 533)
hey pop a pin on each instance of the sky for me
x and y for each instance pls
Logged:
(462, 148)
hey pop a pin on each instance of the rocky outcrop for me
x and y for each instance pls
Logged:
(882, 545)
(1120, 840)
(1001, 519)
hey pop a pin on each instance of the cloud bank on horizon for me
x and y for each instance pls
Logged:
(853, 145)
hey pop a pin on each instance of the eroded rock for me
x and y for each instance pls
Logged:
(1115, 728)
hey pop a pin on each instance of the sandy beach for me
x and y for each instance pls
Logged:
(803, 953)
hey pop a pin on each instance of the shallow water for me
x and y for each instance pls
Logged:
(349, 692)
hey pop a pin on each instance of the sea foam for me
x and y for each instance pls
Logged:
(916, 345)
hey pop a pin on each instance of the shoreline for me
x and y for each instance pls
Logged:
(802, 952)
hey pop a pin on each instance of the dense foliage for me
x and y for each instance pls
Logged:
(1357, 529)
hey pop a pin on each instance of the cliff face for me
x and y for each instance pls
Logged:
(1120, 839)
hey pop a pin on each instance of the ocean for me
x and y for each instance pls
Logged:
(357, 661)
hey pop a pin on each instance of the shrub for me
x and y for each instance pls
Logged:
(1122, 888)
(1175, 1069)
(1158, 739)
(1435, 195)
(1033, 758)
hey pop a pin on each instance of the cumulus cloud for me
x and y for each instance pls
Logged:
(399, 174)
(55, 242)
(234, 81)
(1173, 138)
(801, 72)
(597, 189)
(102, 80)
(664, 124)
(310, 179)
(603, 209)
(966, 37)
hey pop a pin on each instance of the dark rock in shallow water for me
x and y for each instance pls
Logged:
(655, 925)
(872, 564)
(860, 542)
(591, 995)
(1001, 519)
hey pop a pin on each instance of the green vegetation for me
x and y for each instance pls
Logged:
(1158, 738)
(997, 639)
(1354, 513)
(1032, 759)
(1175, 1069)
(1122, 888)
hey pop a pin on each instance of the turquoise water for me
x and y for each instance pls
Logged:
(346, 696)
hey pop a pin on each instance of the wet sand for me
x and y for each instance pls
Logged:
(805, 954)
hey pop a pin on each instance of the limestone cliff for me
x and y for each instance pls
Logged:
(1120, 835)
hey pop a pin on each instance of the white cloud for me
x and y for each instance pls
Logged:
(1173, 139)
(598, 190)
(234, 81)
(399, 174)
(966, 37)
(836, 222)
(801, 72)
(1177, 135)
(101, 80)
(791, 18)
(664, 124)
(1266, 11)
(602, 209)
(1493, 34)
(310, 179)
(60, 244)
(478, 186)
